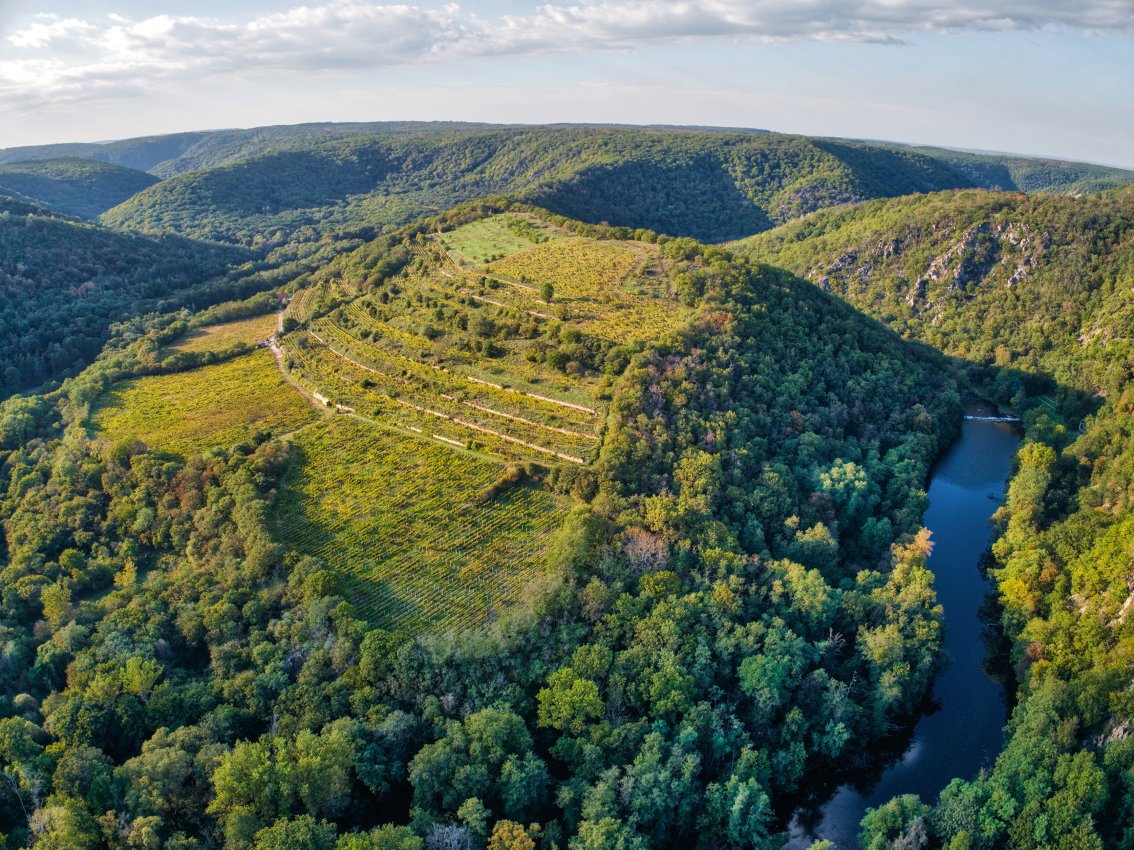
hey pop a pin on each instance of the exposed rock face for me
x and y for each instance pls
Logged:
(962, 255)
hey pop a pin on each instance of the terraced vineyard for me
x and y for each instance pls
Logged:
(215, 405)
(429, 400)
(219, 338)
(444, 372)
(402, 520)
(599, 286)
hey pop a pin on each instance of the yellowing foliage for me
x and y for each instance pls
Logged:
(215, 405)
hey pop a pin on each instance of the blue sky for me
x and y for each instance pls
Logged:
(1048, 78)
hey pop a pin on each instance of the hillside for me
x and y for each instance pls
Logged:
(496, 538)
(65, 283)
(177, 153)
(1032, 283)
(1037, 293)
(1031, 174)
(710, 185)
(78, 187)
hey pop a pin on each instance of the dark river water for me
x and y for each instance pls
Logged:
(965, 732)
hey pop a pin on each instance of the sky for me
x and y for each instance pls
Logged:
(1041, 77)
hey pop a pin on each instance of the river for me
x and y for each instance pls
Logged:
(965, 732)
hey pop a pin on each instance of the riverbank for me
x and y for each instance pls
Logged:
(962, 730)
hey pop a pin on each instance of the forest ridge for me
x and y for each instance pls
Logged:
(430, 487)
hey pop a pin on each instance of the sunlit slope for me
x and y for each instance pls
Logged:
(1037, 283)
(215, 405)
(463, 391)
(516, 356)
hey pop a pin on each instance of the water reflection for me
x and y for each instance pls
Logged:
(962, 729)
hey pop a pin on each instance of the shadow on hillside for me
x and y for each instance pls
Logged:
(1044, 404)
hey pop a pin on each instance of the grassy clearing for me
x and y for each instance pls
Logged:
(400, 519)
(223, 337)
(214, 405)
(491, 238)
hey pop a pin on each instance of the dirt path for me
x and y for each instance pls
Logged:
(354, 362)
(278, 354)
(467, 424)
(471, 294)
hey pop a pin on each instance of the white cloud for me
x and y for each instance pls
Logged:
(66, 59)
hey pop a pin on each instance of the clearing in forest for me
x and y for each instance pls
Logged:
(220, 338)
(407, 523)
(215, 405)
(491, 238)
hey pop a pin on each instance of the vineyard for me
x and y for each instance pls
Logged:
(441, 374)
(222, 337)
(403, 520)
(614, 290)
(216, 405)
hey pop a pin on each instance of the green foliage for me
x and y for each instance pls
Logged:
(387, 837)
(66, 284)
(1034, 292)
(487, 756)
(191, 658)
(257, 187)
(73, 186)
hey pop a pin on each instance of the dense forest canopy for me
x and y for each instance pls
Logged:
(73, 186)
(711, 186)
(709, 463)
(1037, 292)
(65, 283)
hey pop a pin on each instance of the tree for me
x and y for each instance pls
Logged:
(387, 837)
(509, 835)
(487, 756)
(569, 702)
(901, 824)
(546, 291)
(301, 833)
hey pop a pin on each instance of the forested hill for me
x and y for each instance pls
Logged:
(1036, 283)
(720, 619)
(177, 153)
(1039, 292)
(1031, 174)
(710, 185)
(65, 283)
(74, 186)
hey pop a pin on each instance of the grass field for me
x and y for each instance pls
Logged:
(223, 337)
(399, 518)
(214, 405)
(490, 238)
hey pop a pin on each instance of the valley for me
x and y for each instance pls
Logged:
(345, 498)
